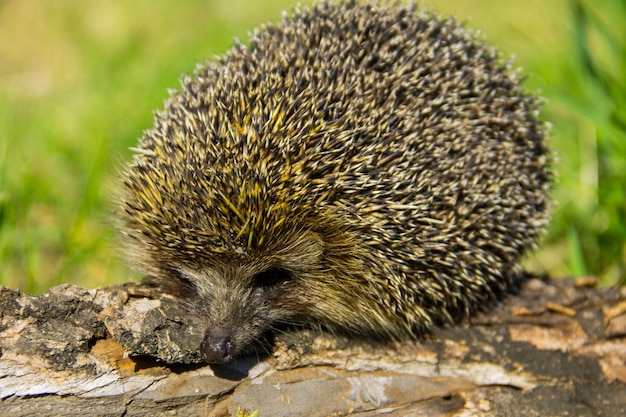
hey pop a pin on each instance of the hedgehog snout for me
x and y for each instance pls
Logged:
(235, 306)
(217, 349)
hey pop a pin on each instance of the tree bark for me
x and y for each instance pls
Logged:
(556, 348)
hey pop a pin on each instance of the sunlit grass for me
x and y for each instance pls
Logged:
(79, 81)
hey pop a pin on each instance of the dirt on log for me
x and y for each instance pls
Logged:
(557, 348)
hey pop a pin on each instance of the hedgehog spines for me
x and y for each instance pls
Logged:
(381, 159)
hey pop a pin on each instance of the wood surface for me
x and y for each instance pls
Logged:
(557, 348)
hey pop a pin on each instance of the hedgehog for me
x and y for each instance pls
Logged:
(366, 169)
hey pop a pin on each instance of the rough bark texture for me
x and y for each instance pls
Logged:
(557, 348)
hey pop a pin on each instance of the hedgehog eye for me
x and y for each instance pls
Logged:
(184, 280)
(271, 277)
(176, 282)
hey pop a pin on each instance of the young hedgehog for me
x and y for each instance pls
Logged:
(367, 169)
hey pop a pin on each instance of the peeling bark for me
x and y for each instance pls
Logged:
(556, 348)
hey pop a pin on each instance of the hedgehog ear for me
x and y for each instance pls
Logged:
(304, 252)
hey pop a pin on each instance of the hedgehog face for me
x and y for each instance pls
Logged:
(237, 298)
(237, 306)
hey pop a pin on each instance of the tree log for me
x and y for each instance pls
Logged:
(556, 348)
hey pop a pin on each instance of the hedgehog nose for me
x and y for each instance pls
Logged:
(217, 350)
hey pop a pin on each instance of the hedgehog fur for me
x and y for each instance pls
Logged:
(370, 169)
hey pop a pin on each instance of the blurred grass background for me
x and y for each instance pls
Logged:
(79, 80)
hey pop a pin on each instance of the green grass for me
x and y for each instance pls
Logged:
(588, 108)
(79, 81)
